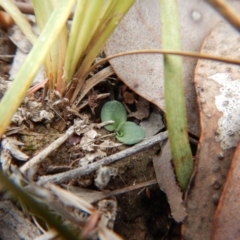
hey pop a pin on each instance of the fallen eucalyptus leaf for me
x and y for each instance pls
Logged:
(129, 133)
(216, 84)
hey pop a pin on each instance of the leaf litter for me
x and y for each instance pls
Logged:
(86, 138)
(91, 137)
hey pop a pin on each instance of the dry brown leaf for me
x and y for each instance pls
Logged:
(93, 81)
(167, 183)
(140, 29)
(218, 98)
(128, 96)
(142, 109)
(92, 101)
(227, 217)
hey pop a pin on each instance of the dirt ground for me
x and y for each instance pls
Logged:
(142, 214)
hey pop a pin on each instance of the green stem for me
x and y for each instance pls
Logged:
(174, 94)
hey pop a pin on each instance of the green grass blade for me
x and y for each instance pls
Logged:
(15, 94)
(86, 16)
(116, 13)
(174, 94)
(19, 19)
(56, 57)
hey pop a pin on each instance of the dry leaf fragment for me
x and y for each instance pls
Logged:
(6, 160)
(153, 124)
(108, 209)
(142, 109)
(80, 126)
(128, 96)
(104, 175)
(89, 158)
(34, 111)
(167, 182)
(11, 145)
(92, 101)
(88, 140)
(109, 144)
(37, 113)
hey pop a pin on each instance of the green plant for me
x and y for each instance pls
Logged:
(126, 132)
(66, 56)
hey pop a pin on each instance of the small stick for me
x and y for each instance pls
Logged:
(81, 171)
(129, 188)
(43, 154)
(126, 189)
(95, 196)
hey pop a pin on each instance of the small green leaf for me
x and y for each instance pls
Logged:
(115, 111)
(129, 133)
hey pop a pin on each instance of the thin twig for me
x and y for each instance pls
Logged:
(43, 154)
(161, 51)
(227, 12)
(81, 171)
(129, 188)
(94, 196)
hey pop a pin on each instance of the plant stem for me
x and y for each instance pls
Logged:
(174, 94)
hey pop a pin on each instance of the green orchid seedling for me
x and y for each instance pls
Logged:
(127, 132)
